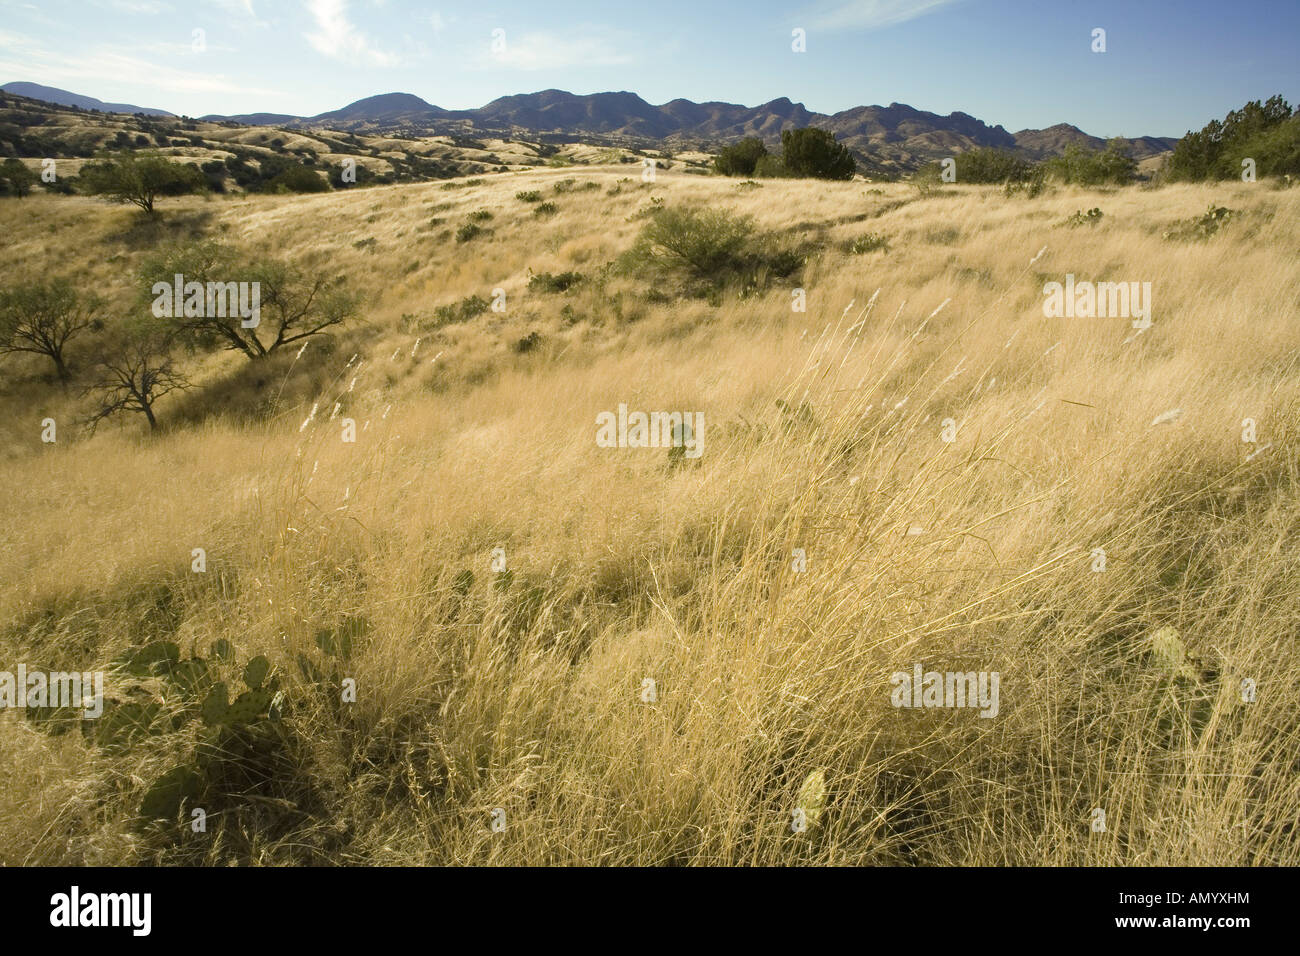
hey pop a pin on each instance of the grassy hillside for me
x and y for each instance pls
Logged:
(824, 431)
(238, 158)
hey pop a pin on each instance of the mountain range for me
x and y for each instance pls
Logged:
(883, 138)
(50, 94)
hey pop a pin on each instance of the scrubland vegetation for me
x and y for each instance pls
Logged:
(522, 688)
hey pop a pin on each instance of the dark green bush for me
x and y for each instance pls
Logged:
(460, 311)
(814, 153)
(739, 159)
(1086, 167)
(560, 282)
(704, 241)
(528, 342)
(300, 179)
(712, 247)
(981, 166)
(1268, 133)
(15, 178)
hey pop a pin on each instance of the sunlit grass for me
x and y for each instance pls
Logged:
(974, 555)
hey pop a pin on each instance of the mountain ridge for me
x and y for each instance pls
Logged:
(52, 94)
(883, 138)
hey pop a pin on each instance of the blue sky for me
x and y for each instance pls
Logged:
(1169, 65)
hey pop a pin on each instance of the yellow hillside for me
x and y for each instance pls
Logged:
(824, 431)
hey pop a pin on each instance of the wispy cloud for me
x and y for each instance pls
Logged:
(152, 7)
(544, 50)
(99, 72)
(338, 38)
(870, 14)
(238, 7)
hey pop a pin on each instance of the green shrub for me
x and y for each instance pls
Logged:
(739, 159)
(1086, 167)
(704, 241)
(712, 247)
(469, 231)
(479, 215)
(300, 179)
(871, 242)
(983, 166)
(561, 282)
(530, 195)
(545, 209)
(460, 311)
(814, 153)
(15, 178)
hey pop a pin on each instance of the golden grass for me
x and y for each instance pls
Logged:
(974, 555)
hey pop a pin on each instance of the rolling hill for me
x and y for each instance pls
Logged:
(50, 94)
(885, 139)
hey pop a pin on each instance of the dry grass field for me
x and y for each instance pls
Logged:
(502, 717)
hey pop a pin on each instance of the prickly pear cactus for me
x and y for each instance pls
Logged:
(216, 706)
(163, 800)
(124, 723)
(190, 678)
(151, 659)
(248, 707)
(255, 672)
